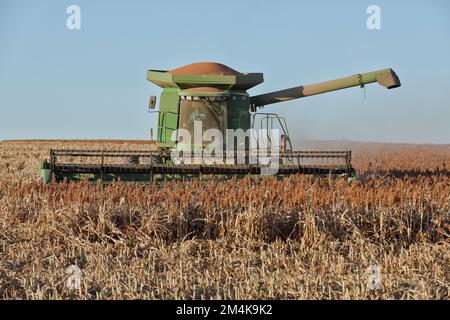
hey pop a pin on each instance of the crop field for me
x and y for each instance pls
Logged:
(296, 238)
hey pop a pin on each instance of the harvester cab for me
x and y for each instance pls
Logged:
(211, 94)
(204, 104)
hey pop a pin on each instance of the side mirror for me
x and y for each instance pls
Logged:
(152, 103)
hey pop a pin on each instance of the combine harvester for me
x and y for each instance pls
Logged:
(214, 96)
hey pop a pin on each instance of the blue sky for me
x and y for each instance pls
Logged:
(91, 83)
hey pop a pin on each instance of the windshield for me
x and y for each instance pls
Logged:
(209, 111)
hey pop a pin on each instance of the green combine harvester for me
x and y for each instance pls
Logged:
(206, 97)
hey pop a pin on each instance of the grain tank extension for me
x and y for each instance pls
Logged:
(217, 97)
